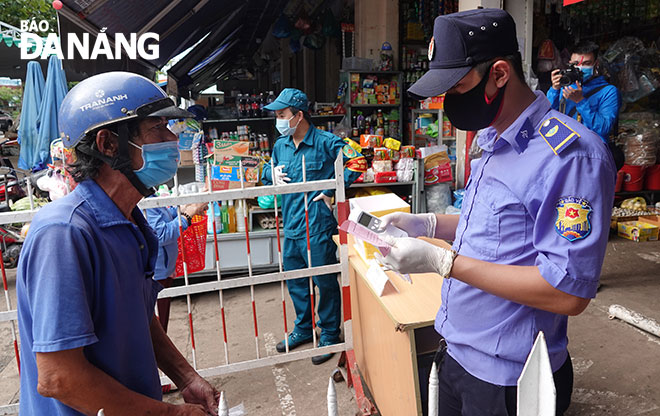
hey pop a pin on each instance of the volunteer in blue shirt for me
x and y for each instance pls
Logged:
(529, 244)
(165, 223)
(89, 338)
(300, 138)
(594, 102)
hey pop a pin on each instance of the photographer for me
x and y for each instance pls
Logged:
(581, 93)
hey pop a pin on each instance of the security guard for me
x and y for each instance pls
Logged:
(300, 138)
(530, 240)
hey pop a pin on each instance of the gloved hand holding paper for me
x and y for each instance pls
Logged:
(411, 255)
(362, 232)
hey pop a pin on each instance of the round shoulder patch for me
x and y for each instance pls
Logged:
(349, 152)
(573, 218)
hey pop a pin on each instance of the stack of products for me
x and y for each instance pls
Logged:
(387, 160)
(227, 218)
(252, 106)
(379, 123)
(259, 145)
(639, 134)
(374, 89)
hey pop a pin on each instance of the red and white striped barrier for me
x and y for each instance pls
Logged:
(251, 280)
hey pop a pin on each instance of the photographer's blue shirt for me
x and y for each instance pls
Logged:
(84, 280)
(598, 112)
(541, 195)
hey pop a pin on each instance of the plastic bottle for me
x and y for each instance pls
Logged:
(232, 217)
(218, 218)
(224, 215)
(240, 214)
(210, 219)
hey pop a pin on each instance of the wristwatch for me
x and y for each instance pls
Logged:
(187, 217)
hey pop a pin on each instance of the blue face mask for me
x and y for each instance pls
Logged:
(283, 127)
(160, 162)
(587, 71)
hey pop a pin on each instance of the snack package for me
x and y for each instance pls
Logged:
(437, 168)
(369, 175)
(394, 155)
(385, 177)
(407, 152)
(382, 166)
(391, 143)
(381, 153)
(371, 140)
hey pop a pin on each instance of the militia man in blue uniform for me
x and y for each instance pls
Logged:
(529, 244)
(299, 138)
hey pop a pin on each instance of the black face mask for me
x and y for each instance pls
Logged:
(472, 110)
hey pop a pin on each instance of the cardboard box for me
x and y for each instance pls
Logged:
(638, 231)
(614, 222)
(376, 205)
(650, 219)
(228, 156)
(186, 157)
(224, 148)
(227, 175)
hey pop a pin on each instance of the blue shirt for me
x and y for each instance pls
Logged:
(84, 280)
(320, 149)
(598, 112)
(165, 223)
(525, 205)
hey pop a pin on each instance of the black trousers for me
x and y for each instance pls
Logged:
(462, 394)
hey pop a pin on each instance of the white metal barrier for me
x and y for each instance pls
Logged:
(251, 280)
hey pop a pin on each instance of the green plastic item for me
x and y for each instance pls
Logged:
(432, 129)
(268, 201)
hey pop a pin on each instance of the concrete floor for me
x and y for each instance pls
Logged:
(617, 366)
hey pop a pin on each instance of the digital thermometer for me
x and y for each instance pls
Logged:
(374, 224)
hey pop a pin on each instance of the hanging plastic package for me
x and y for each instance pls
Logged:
(294, 45)
(268, 201)
(314, 41)
(282, 27)
(331, 27)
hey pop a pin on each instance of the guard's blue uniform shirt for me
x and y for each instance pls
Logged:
(320, 149)
(520, 198)
(599, 112)
(165, 223)
(84, 280)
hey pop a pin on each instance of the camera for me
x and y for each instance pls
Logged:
(570, 75)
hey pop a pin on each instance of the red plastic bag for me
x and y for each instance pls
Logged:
(194, 243)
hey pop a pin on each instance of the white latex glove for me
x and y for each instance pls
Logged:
(279, 176)
(416, 225)
(326, 199)
(410, 255)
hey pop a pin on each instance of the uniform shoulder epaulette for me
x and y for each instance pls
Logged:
(557, 134)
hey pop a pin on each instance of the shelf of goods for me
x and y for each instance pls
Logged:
(373, 102)
(253, 128)
(446, 132)
(263, 242)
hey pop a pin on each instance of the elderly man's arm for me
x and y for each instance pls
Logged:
(194, 388)
(68, 377)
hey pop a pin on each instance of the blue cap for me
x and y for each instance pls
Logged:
(289, 97)
(462, 40)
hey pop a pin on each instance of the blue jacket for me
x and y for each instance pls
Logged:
(320, 149)
(598, 112)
